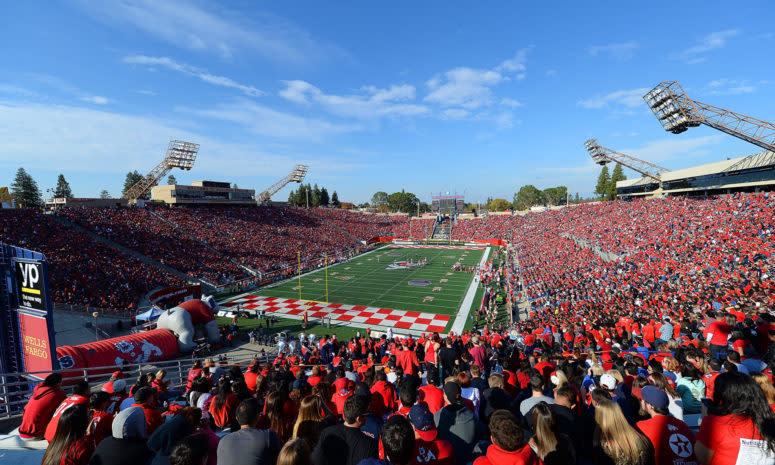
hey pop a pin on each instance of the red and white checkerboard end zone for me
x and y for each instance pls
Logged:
(356, 315)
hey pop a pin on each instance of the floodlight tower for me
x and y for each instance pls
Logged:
(297, 175)
(180, 154)
(676, 113)
(602, 155)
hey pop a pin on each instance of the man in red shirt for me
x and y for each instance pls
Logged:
(428, 449)
(385, 391)
(79, 397)
(672, 439)
(431, 394)
(37, 413)
(718, 335)
(144, 398)
(407, 359)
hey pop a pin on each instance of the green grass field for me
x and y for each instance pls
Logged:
(366, 280)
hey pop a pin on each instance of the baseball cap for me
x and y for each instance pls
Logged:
(608, 381)
(452, 391)
(654, 396)
(118, 374)
(119, 385)
(422, 420)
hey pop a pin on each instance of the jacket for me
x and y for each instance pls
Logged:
(39, 410)
(497, 456)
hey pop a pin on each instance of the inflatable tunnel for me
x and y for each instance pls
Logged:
(149, 346)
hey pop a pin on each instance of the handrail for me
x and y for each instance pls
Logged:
(12, 398)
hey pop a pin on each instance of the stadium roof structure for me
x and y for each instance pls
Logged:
(749, 173)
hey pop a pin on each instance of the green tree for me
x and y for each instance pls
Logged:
(577, 198)
(63, 188)
(556, 195)
(325, 199)
(132, 178)
(234, 186)
(104, 194)
(616, 175)
(403, 201)
(314, 197)
(499, 205)
(603, 183)
(292, 198)
(527, 197)
(171, 181)
(25, 190)
(334, 200)
(379, 199)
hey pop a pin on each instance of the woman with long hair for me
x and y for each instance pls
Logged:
(620, 443)
(313, 417)
(224, 407)
(676, 405)
(547, 442)
(71, 445)
(691, 388)
(739, 422)
(274, 418)
(769, 390)
(295, 452)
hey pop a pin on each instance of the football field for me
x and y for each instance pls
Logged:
(388, 287)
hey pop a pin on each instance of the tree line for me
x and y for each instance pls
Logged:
(606, 183)
(313, 196)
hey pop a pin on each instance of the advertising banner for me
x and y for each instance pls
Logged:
(36, 347)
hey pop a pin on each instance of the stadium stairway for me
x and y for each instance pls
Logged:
(207, 286)
(312, 210)
(250, 271)
(605, 255)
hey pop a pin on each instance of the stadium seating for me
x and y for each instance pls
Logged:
(83, 271)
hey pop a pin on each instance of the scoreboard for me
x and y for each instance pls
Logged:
(447, 204)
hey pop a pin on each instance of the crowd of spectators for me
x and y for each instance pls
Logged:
(83, 270)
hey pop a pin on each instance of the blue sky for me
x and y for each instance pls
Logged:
(426, 96)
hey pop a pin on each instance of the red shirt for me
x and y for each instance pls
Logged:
(723, 435)
(438, 452)
(720, 331)
(672, 440)
(226, 414)
(51, 428)
(497, 456)
(102, 425)
(153, 418)
(432, 396)
(39, 410)
(79, 452)
(407, 360)
(387, 393)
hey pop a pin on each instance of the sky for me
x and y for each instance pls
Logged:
(477, 99)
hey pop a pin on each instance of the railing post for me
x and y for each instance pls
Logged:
(5, 396)
(180, 374)
(86, 374)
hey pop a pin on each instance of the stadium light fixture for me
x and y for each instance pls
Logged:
(602, 155)
(672, 108)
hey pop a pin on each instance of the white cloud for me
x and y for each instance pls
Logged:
(712, 41)
(730, 87)
(454, 113)
(375, 102)
(145, 92)
(551, 72)
(628, 98)
(618, 51)
(471, 88)
(515, 64)
(268, 122)
(465, 87)
(201, 74)
(193, 26)
(510, 102)
(96, 99)
(16, 90)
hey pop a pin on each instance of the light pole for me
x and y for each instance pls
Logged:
(96, 331)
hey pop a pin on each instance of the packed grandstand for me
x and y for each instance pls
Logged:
(642, 333)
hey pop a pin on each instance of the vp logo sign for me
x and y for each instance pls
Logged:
(30, 286)
(30, 274)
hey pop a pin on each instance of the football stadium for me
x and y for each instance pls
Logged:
(490, 253)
